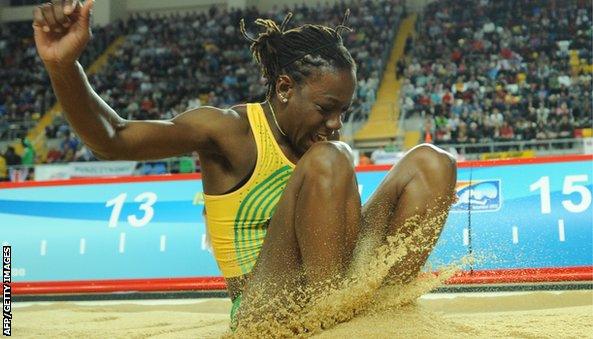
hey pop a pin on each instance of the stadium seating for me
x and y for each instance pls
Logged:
(504, 70)
(171, 63)
(25, 92)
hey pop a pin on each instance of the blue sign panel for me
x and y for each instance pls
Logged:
(543, 218)
(106, 231)
(514, 216)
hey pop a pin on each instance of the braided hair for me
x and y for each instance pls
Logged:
(298, 52)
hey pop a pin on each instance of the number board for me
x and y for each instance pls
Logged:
(511, 216)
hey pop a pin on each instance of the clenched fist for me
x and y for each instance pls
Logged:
(62, 30)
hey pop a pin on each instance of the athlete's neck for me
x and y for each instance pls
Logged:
(273, 117)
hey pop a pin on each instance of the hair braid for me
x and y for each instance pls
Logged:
(299, 51)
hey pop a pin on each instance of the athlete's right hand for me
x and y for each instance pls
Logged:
(62, 30)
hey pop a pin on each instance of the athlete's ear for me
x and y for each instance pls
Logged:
(285, 87)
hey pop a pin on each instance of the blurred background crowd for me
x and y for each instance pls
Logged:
(504, 70)
(515, 71)
(170, 63)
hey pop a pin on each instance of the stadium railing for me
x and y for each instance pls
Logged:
(542, 147)
(190, 164)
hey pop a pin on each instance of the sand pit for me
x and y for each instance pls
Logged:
(566, 314)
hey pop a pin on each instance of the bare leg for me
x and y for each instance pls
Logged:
(421, 185)
(313, 232)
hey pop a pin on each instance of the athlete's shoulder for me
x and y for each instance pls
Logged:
(213, 126)
(239, 110)
(213, 117)
(213, 112)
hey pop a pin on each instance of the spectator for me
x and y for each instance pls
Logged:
(54, 155)
(377, 155)
(565, 128)
(3, 168)
(363, 159)
(400, 67)
(12, 159)
(69, 142)
(506, 132)
(391, 146)
(474, 134)
(83, 154)
(28, 153)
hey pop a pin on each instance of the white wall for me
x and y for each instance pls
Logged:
(266, 5)
(106, 11)
(119, 9)
(173, 5)
(110, 10)
(102, 12)
(413, 5)
(20, 13)
(237, 3)
(169, 5)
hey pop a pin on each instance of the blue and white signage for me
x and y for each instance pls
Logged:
(511, 216)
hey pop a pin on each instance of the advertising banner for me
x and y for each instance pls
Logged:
(513, 214)
(524, 215)
(101, 169)
(84, 170)
(52, 172)
(507, 155)
(588, 145)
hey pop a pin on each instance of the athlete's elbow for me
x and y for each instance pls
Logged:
(108, 152)
(105, 156)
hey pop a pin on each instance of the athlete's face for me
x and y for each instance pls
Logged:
(316, 107)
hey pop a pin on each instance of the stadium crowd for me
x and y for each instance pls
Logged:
(171, 63)
(175, 63)
(25, 91)
(504, 70)
(477, 71)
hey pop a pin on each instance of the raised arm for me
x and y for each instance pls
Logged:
(61, 33)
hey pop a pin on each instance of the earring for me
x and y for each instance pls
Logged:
(284, 100)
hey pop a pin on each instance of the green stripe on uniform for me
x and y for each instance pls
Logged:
(250, 214)
(264, 208)
(247, 204)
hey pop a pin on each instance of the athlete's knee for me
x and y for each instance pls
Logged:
(434, 162)
(330, 159)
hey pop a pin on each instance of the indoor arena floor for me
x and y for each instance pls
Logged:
(541, 314)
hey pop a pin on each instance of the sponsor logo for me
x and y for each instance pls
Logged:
(479, 196)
